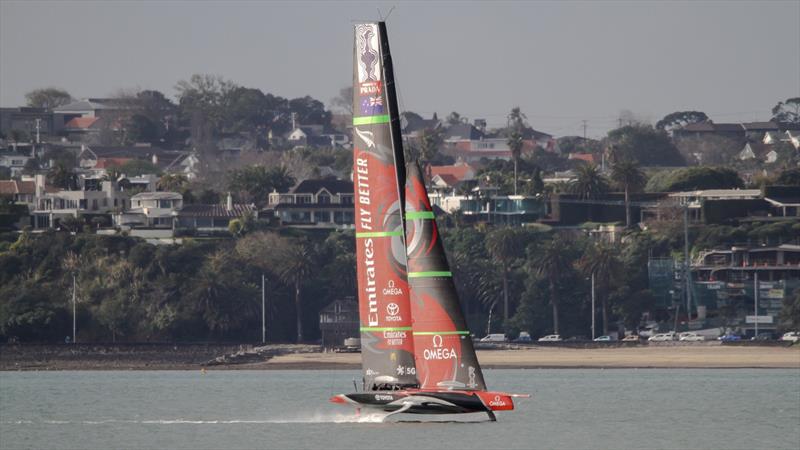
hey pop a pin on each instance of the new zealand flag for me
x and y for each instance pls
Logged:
(371, 106)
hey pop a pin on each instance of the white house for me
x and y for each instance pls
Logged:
(151, 209)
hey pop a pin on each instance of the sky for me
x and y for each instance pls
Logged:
(560, 62)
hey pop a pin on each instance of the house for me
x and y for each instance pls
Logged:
(90, 155)
(319, 203)
(759, 152)
(339, 321)
(94, 198)
(151, 210)
(210, 219)
(33, 121)
(705, 129)
(451, 176)
(413, 126)
(462, 132)
(308, 136)
(19, 191)
(794, 138)
(774, 137)
(90, 107)
(15, 160)
(756, 130)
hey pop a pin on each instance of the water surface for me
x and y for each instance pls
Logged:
(570, 408)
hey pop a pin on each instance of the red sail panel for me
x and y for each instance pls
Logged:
(387, 349)
(443, 351)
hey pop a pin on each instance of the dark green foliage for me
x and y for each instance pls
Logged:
(645, 145)
(252, 184)
(789, 177)
(694, 178)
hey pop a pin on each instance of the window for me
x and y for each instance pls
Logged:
(323, 199)
(322, 216)
(105, 201)
(347, 199)
(303, 199)
(94, 204)
(165, 203)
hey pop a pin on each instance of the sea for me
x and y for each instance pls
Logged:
(238, 409)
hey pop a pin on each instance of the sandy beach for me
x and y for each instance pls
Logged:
(307, 357)
(559, 357)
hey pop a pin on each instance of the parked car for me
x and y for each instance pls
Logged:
(631, 338)
(662, 337)
(524, 336)
(494, 337)
(690, 337)
(550, 338)
(792, 336)
(576, 339)
(763, 337)
(603, 339)
(729, 337)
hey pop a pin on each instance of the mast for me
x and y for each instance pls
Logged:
(444, 355)
(387, 350)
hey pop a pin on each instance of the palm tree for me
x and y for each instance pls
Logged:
(552, 262)
(172, 182)
(589, 182)
(627, 175)
(602, 260)
(297, 261)
(515, 144)
(504, 247)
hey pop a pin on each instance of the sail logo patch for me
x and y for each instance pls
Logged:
(370, 88)
(369, 68)
(439, 351)
(497, 401)
(392, 290)
(371, 105)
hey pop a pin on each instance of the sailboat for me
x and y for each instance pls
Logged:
(417, 353)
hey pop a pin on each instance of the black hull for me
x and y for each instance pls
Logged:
(420, 402)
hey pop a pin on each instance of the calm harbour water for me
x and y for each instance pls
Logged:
(570, 409)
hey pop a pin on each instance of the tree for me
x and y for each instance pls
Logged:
(141, 129)
(680, 119)
(504, 247)
(789, 177)
(48, 98)
(787, 112)
(136, 167)
(172, 182)
(429, 142)
(693, 179)
(345, 100)
(61, 175)
(254, 183)
(454, 118)
(628, 177)
(790, 311)
(602, 261)
(552, 262)
(644, 144)
(589, 182)
(515, 143)
(295, 262)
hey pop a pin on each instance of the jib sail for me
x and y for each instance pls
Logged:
(445, 357)
(387, 347)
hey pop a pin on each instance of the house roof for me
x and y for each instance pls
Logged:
(463, 131)
(105, 163)
(10, 187)
(460, 171)
(91, 104)
(157, 196)
(720, 193)
(728, 127)
(586, 157)
(81, 123)
(198, 210)
(412, 124)
(314, 186)
(447, 179)
(759, 149)
(760, 126)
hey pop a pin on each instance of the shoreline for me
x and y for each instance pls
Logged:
(534, 357)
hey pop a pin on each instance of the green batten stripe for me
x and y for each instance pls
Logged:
(431, 333)
(371, 120)
(419, 215)
(429, 274)
(369, 234)
(385, 329)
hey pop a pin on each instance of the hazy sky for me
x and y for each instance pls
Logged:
(561, 62)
